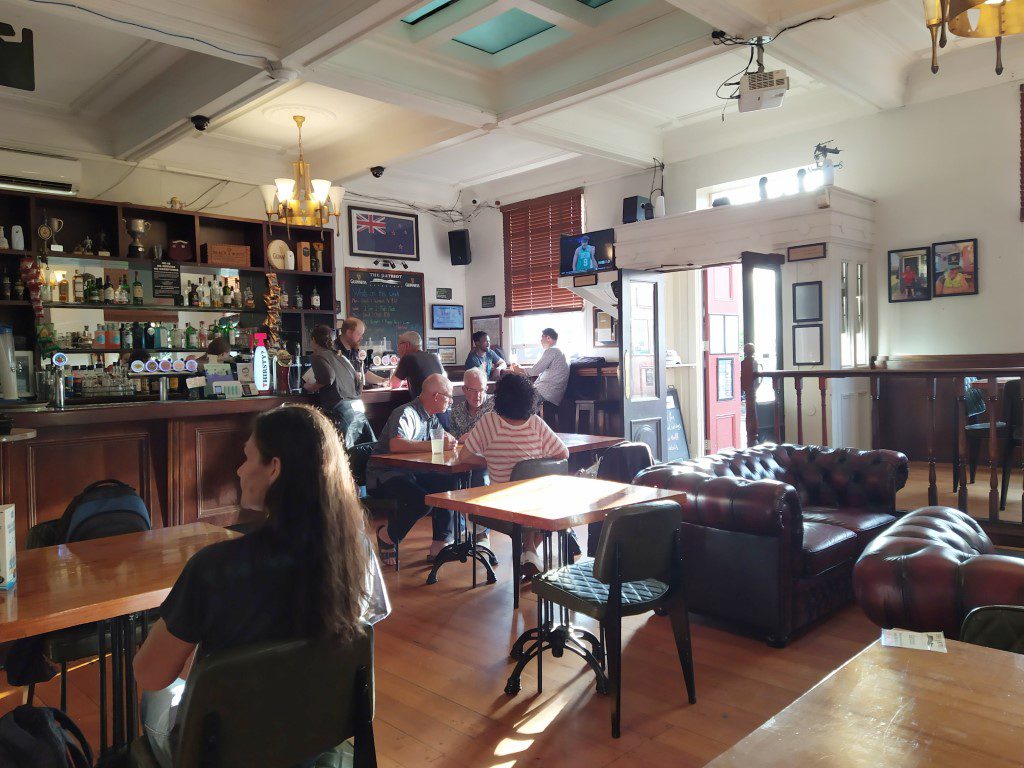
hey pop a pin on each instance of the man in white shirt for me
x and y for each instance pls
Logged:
(552, 372)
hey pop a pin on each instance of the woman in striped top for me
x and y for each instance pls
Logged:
(511, 433)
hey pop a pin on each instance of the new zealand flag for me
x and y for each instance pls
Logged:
(388, 235)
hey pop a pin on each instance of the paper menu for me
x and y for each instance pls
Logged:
(309, 377)
(919, 641)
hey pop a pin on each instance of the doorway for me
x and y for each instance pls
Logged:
(762, 327)
(724, 415)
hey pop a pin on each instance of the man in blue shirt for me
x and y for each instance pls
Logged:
(482, 356)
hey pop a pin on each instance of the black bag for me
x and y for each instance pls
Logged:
(42, 737)
(104, 508)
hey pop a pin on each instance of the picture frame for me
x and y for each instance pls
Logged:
(446, 341)
(958, 255)
(910, 275)
(808, 252)
(378, 234)
(447, 355)
(807, 305)
(489, 324)
(605, 329)
(447, 317)
(725, 368)
(24, 367)
(808, 344)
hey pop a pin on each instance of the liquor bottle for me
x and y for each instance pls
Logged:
(113, 336)
(126, 336)
(137, 329)
(190, 336)
(236, 294)
(216, 295)
(314, 258)
(78, 286)
(232, 336)
(64, 289)
(5, 291)
(177, 338)
(45, 289)
(300, 302)
(92, 292)
(100, 339)
(284, 298)
(211, 289)
(149, 338)
(227, 293)
(108, 292)
(19, 287)
(248, 301)
(314, 300)
(137, 296)
(204, 296)
(85, 339)
(202, 337)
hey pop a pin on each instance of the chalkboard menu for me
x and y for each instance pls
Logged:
(678, 447)
(389, 303)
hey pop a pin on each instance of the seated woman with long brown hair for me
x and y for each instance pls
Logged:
(304, 573)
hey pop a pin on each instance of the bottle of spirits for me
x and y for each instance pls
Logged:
(203, 339)
(114, 336)
(85, 339)
(45, 290)
(100, 340)
(210, 290)
(126, 336)
(232, 336)
(137, 295)
(5, 290)
(190, 336)
(248, 300)
(92, 292)
(300, 301)
(227, 293)
(137, 333)
(284, 298)
(314, 300)
(177, 339)
(236, 294)
(204, 295)
(314, 258)
(216, 294)
(108, 292)
(78, 285)
(150, 336)
(64, 289)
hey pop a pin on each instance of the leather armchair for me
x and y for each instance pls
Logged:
(771, 533)
(931, 569)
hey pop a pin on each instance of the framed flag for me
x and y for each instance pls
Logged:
(383, 234)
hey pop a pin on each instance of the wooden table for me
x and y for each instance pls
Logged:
(892, 706)
(577, 443)
(109, 581)
(553, 504)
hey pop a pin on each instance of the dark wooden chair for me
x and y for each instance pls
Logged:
(1008, 436)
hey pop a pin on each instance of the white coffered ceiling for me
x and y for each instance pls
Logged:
(613, 86)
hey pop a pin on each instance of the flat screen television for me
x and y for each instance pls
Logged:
(587, 253)
(447, 317)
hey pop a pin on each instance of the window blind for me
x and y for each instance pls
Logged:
(532, 231)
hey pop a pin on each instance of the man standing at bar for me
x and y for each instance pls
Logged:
(414, 365)
(408, 431)
(350, 335)
(552, 372)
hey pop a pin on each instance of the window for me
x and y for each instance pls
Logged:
(525, 332)
(742, 191)
(532, 232)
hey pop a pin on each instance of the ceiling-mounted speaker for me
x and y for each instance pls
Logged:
(17, 68)
(458, 245)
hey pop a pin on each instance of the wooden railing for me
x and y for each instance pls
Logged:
(750, 377)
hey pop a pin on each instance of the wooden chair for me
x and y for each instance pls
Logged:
(1008, 435)
(639, 567)
(275, 705)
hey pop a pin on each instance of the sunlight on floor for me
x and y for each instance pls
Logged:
(537, 721)
(511, 746)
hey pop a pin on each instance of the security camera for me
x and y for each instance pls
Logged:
(377, 171)
(200, 122)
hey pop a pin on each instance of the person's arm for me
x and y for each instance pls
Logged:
(373, 378)
(162, 659)
(496, 360)
(401, 443)
(543, 363)
(553, 446)
(324, 376)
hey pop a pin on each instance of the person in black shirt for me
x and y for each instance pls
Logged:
(415, 365)
(303, 573)
(337, 387)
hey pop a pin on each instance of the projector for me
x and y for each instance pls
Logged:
(763, 90)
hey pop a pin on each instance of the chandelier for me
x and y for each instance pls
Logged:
(973, 18)
(302, 200)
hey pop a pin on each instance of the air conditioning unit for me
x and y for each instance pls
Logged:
(763, 90)
(35, 172)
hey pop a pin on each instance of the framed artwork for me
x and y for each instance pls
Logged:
(605, 329)
(808, 345)
(807, 302)
(383, 234)
(725, 371)
(447, 355)
(806, 252)
(489, 324)
(955, 268)
(446, 341)
(910, 275)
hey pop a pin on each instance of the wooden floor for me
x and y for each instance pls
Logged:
(915, 493)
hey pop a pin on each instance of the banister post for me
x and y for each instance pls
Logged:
(748, 384)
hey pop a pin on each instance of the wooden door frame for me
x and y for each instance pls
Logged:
(750, 261)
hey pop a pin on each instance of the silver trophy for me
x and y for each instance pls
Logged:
(136, 228)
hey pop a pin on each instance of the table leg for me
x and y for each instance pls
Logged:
(101, 643)
(131, 693)
(116, 686)
(462, 550)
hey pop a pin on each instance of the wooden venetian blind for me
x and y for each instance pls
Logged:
(532, 232)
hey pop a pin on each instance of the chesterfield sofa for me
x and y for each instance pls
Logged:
(771, 533)
(932, 568)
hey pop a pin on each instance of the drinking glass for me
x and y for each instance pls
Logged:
(437, 440)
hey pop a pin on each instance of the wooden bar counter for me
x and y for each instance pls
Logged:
(180, 455)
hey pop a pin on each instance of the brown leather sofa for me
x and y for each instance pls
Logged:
(771, 533)
(932, 568)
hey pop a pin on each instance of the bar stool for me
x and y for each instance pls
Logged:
(594, 414)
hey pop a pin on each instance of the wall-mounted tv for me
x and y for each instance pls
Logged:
(587, 253)
(447, 317)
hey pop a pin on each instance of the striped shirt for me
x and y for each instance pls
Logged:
(503, 445)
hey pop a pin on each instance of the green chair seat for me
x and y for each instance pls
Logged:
(141, 756)
(983, 427)
(575, 587)
(995, 626)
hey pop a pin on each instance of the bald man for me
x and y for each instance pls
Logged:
(408, 431)
(415, 365)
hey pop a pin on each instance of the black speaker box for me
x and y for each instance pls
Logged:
(458, 245)
(634, 209)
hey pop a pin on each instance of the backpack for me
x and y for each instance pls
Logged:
(42, 737)
(104, 508)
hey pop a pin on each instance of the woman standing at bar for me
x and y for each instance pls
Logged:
(337, 388)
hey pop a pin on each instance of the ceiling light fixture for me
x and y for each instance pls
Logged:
(302, 200)
(973, 18)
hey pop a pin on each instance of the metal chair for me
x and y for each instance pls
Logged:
(275, 705)
(639, 567)
(995, 626)
(524, 470)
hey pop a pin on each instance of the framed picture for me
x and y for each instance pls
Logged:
(806, 252)
(447, 317)
(910, 275)
(726, 366)
(605, 329)
(432, 345)
(489, 324)
(808, 345)
(383, 234)
(955, 268)
(23, 368)
(446, 341)
(447, 355)
(807, 302)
